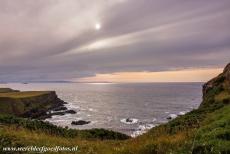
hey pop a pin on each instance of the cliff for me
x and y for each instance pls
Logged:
(32, 104)
(217, 91)
(222, 80)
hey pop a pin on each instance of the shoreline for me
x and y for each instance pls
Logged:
(198, 131)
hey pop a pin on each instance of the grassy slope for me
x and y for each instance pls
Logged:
(6, 90)
(24, 94)
(205, 130)
(18, 103)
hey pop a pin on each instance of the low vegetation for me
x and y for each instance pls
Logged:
(202, 131)
(47, 128)
(25, 94)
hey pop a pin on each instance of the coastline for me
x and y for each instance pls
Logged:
(198, 131)
(98, 107)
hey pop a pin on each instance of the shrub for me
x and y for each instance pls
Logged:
(37, 125)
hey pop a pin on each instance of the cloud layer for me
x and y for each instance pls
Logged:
(57, 40)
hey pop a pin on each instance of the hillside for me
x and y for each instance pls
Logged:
(204, 130)
(32, 104)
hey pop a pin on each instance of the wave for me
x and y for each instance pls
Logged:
(142, 129)
(129, 121)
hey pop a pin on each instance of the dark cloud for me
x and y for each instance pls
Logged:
(55, 40)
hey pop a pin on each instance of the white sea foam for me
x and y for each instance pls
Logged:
(182, 113)
(72, 106)
(92, 110)
(172, 116)
(129, 121)
(93, 122)
(142, 129)
(109, 118)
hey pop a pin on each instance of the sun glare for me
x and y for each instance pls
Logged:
(97, 26)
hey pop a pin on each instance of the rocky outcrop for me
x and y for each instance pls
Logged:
(222, 81)
(216, 92)
(29, 104)
(80, 122)
(54, 111)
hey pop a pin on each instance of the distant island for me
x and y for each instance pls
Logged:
(203, 130)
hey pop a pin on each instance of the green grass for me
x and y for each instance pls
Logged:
(47, 128)
(20, 103)
(25, 94)
(205, 130)
(6, 90)
(214, 135)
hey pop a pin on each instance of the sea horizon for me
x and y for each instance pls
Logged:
(93, 102)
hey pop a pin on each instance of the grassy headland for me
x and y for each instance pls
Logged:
(7, 90)
(204, 130)
(31, 104)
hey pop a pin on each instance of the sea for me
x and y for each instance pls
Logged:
(130, 108)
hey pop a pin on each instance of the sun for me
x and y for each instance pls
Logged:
(97, 26)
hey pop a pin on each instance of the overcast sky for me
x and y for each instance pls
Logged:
(71, 39)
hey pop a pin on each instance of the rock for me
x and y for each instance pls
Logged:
(71, 112)
(221, 80)
(80, 122)
(60, 108)
(129, 120)
(217, 85)
(29, 104)
(171, 116)
(49, 114)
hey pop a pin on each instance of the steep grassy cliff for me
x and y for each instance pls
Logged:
(205, 130)
(27, 104)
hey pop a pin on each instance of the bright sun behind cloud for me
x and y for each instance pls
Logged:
(97, 26)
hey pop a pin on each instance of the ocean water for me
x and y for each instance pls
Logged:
(109, 105)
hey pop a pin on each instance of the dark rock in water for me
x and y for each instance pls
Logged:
(50, 113)
(171, 116)
(129, 120)
(60, 108)
(71, 111)
(80, 122)
(58, 113)
(65, 102)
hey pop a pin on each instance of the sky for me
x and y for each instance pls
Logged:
(113, 40)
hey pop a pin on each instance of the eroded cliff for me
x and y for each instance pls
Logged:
(32, 104)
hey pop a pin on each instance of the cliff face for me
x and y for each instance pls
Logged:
(217, 89)
(221, 80)
(28, 104)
